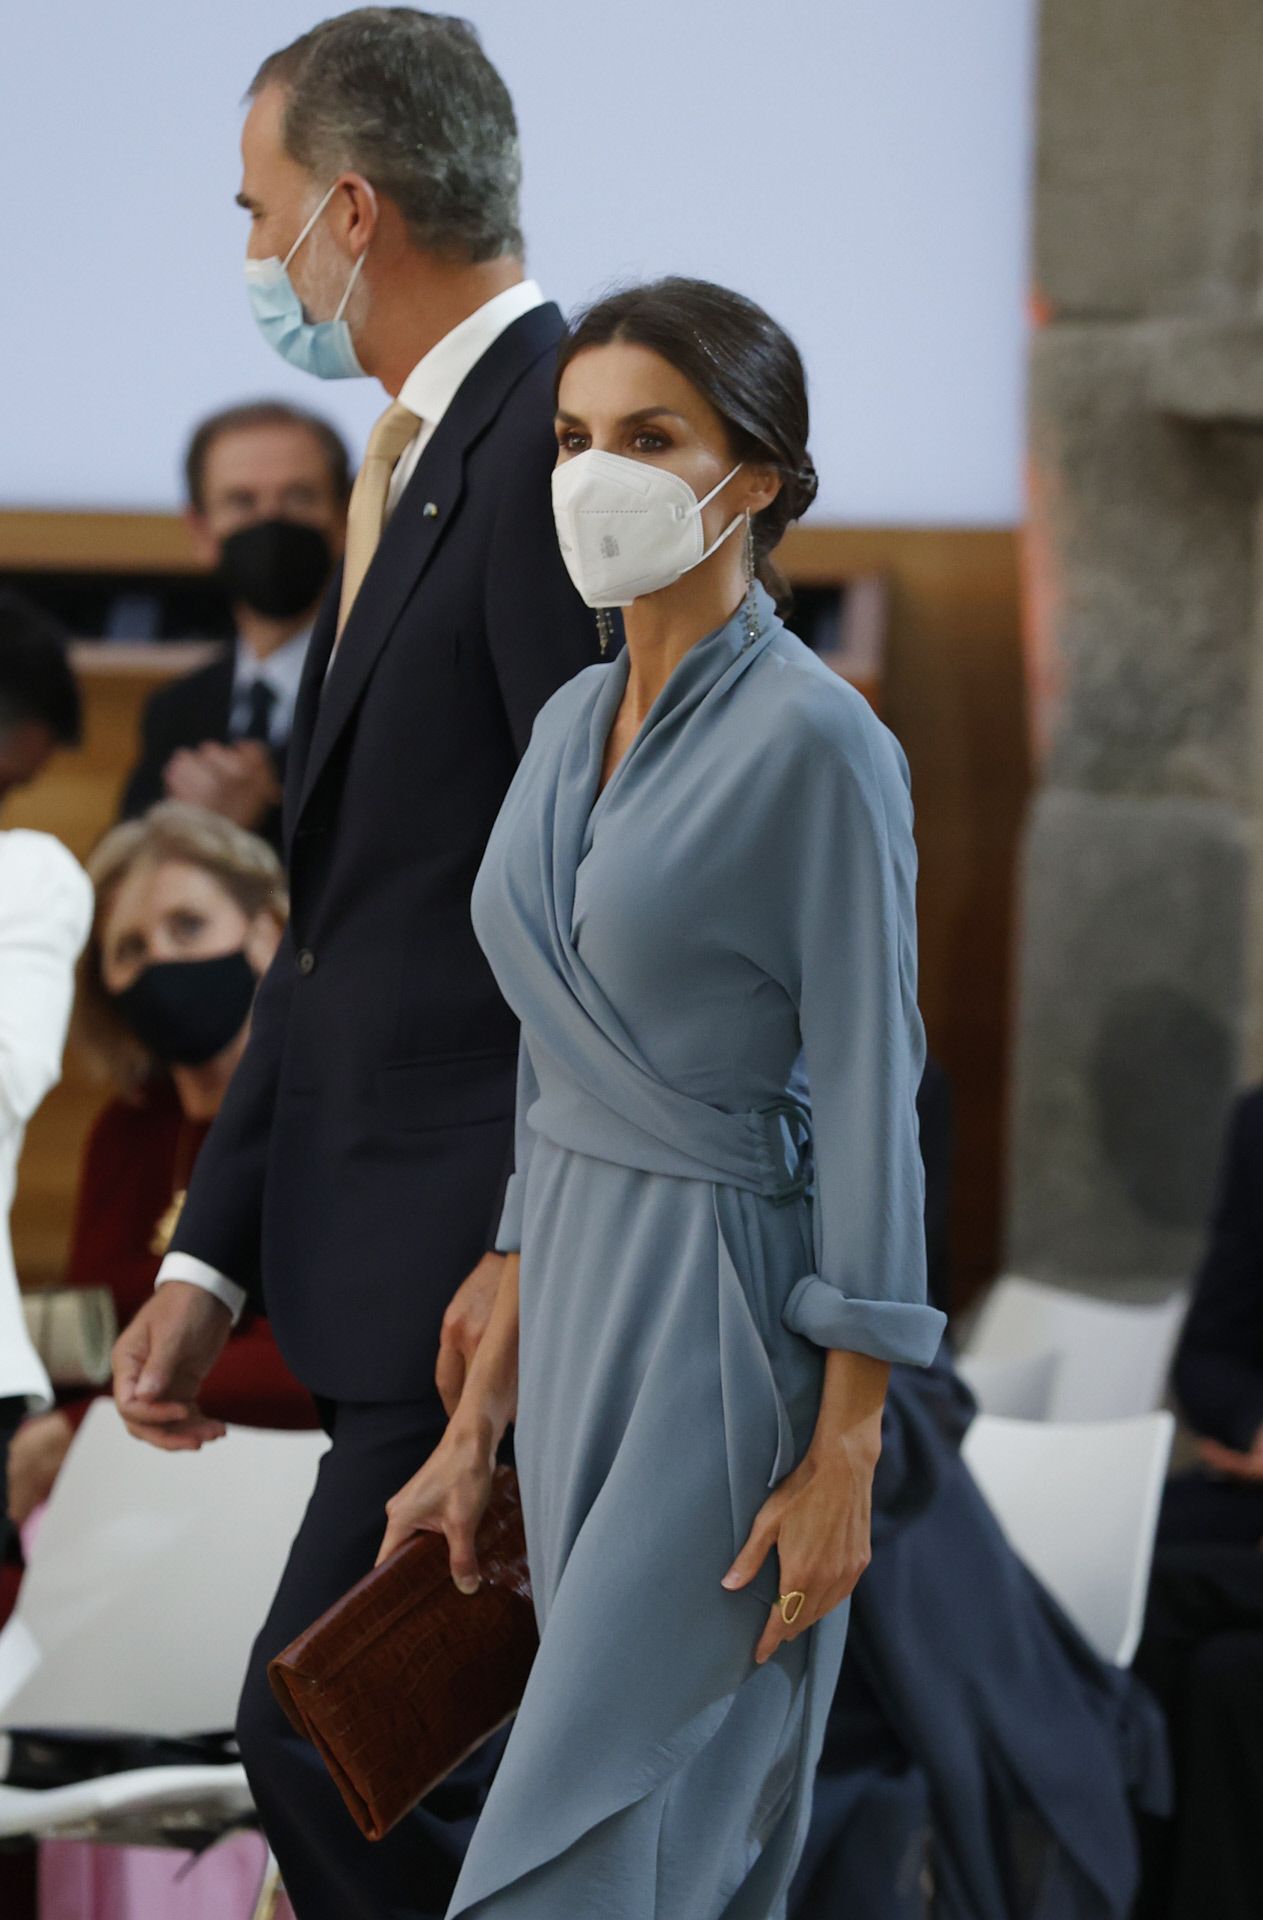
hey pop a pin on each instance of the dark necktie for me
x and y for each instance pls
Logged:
(259, 717)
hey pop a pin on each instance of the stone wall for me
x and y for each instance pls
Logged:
(1139, 930)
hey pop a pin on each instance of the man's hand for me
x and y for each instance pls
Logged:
(238, 781)
(35, 1455)
(1227, 1460)
(464, 1324)
(160, 1362)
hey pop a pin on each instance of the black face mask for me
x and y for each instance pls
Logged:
(278, 567)
(187, 1011)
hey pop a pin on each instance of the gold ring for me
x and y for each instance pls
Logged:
(791, 1605)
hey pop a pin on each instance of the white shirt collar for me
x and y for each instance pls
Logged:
(432, 385)
(281, 670)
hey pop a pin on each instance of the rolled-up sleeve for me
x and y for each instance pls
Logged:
(863, 1039)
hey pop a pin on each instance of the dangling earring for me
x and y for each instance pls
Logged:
(749, 607)
(604, 628)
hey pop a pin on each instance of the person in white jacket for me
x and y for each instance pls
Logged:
(45, 915)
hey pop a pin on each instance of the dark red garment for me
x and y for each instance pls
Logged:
(138, 1154)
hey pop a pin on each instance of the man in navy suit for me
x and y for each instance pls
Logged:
(351, 1184)
(266, 513)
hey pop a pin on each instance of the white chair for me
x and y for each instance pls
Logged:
(141, 1807)
(149, 1579)
(1078, 1501)
(1021, 1387)
(1114, 1357)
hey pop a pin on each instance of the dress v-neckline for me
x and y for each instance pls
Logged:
(601, 784)
(600, 726)
(696, 670)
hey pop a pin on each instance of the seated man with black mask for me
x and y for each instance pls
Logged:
(267, 496)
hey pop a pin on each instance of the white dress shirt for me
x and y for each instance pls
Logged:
(428, 391)
(432, 385)
(45, 914)
(282, 671)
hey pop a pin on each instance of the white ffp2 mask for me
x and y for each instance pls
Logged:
(626, 528)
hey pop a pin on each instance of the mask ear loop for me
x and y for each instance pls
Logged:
(310, 224)
(355, 270)
(350, 286)
(732, 526)
(719, 489)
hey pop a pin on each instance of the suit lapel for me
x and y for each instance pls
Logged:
(411, 537)
(315, 666)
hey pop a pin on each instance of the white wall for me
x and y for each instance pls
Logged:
(859, 166)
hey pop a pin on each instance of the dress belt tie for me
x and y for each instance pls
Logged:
(765, 1150)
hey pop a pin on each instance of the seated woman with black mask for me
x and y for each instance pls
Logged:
(189, 910)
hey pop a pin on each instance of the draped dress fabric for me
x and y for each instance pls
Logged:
(717, 1177)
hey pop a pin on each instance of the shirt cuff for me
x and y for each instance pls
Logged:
(902, 1331)
(183, 1266)
(509, 1232)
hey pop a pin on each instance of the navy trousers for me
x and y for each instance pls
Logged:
(1202, 1655)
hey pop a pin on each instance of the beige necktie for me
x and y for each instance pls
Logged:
(366, 516)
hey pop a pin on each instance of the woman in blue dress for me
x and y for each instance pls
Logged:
(699, 899)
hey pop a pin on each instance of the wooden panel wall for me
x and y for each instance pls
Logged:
(953, 693)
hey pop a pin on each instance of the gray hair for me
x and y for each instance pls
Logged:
(411, 101)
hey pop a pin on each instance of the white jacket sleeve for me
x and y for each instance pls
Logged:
(45, 916)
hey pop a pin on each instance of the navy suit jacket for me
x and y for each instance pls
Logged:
(1219, 1363)
(353, 1176)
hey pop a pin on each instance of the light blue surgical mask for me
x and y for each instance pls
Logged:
(322, 347)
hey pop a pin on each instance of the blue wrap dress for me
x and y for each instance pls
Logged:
(717, 1177)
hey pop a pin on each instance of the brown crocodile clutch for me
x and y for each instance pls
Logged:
(405, 1676)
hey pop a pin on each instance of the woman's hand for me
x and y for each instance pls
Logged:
(449, 1495)
(36, 1453)
(451, 1492)
(819, 1520)
(1227, 1460)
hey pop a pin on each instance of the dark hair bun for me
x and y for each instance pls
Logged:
(806, 485)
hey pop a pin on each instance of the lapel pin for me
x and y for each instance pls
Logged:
(431, 510)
